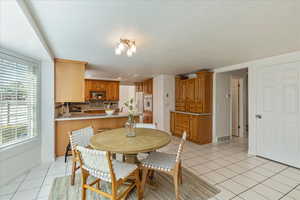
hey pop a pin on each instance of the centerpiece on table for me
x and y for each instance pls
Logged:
(130, 124)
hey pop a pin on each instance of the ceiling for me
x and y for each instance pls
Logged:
(172, 36)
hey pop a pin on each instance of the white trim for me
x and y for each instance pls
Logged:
(214, 134)
(36, 28)
(252, 65)
(11, 55)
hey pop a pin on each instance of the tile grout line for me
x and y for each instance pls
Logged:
(238, 174)
(260, 182)
(38, 193)
(290, 192)
(19, 185)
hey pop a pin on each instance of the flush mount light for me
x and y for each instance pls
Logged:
(126, 45)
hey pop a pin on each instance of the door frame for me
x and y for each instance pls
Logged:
(240, 107)
(252, 85)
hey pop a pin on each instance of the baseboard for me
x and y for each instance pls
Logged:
(223, 139)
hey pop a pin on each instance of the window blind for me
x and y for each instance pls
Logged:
(18, 100)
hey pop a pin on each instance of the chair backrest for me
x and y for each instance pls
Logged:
(95, 161)
(180, 148)
(145, 125)
(81, 137)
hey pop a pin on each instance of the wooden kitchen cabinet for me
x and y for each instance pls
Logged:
(180, 94)
(148, 86)
(197, 127)
(69, 80)
(194, 95)
(139, 86)
(111, 88)
(181, 124)
(205, 89)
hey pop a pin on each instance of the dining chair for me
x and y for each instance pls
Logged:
(165, 163)
(99, 165)
(145, 125)
(80, 137)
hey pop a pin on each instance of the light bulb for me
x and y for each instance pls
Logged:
(121, 46)
(118, 51)
(129, 53)
(133, 48)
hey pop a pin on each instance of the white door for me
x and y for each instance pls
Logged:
(278, 116)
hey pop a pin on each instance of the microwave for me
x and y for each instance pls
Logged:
(98, 95)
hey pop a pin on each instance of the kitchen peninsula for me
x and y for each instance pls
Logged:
(82, 102)
(98, 121)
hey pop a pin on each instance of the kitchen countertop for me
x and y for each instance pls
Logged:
(198, 114)
(83, 116)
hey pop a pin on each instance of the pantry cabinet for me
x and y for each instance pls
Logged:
(194, 95)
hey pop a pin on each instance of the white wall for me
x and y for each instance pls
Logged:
(47, 112)
(126, 91)
(163, 100)
(17, 159)
(222, 105)
(252, 65)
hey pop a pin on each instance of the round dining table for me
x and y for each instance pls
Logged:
(117, 141)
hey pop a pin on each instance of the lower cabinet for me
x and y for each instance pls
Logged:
(197, 127)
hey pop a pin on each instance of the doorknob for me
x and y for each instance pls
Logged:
(258, 116)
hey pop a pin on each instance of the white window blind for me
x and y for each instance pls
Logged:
(18, 100)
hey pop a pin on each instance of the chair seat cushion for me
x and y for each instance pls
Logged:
(121, 169)
(159, 160)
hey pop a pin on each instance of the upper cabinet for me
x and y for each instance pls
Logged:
(110, 89)
(194, 95)
(139, 86)
(148, 86)
(145, 86)
(69, 80)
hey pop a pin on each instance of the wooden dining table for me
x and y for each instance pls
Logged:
(116, 141)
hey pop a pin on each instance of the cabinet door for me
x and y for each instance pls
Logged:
(109, 91)
(190, 90)
(177, 89)
(200, 129)
(115, 91)
(69, 81)
(199, 94)
(194, 129)
(88, 85)
(172, 122)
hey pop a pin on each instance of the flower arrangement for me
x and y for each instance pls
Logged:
(131, 108)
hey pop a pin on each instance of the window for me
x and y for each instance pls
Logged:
(19, 81)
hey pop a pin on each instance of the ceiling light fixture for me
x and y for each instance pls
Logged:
(126, 45)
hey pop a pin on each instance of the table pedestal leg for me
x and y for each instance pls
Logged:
(131, 158)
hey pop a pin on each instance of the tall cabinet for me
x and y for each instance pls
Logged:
(193, 107)
(69, 80)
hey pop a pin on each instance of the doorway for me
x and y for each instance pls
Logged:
(231, 105)
(239, 104)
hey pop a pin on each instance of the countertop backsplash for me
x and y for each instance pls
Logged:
(61, 108)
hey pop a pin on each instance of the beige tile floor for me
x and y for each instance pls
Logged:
(238, 175)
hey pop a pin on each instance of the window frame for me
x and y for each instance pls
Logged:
(15, 57)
